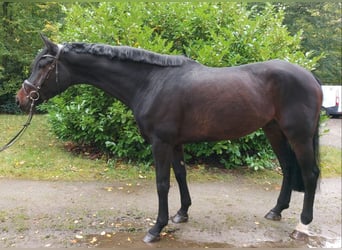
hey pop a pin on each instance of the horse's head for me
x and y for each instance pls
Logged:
(48, 78)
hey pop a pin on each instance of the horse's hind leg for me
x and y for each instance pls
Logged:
(310, 173)
(286, 158)
(304, 142)
(180, 174)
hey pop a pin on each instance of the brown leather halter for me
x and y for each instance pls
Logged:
(34, 95)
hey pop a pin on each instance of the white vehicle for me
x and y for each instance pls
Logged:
(332, 99)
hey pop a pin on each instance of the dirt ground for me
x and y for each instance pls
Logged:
(116, 214)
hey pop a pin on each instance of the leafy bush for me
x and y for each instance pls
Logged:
(215, 34)
(8, 105)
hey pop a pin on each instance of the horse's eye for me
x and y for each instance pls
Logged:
(43, 62)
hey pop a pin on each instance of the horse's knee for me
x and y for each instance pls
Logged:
(163, 187)
(179, 170)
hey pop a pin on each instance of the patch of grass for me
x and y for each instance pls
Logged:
(331, 161)
(16, 219)
(3, 219)
(39, 155)
(21, 222)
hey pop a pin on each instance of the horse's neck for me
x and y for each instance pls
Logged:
(121, 79)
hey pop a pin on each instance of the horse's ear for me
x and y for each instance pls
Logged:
(52, 48)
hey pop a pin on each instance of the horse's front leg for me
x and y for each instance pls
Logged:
(286, 158)
(162, 154)
(180, 174)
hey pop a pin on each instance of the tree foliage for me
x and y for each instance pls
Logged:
(317, 24)
(215, 34)
(321, 32)
(21, 24)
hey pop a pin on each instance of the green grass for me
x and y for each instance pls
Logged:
(331, 161)
(39, 155)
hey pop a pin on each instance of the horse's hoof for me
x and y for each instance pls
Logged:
(150, 238)
(298, 235)
(271, 215)
(179, 218)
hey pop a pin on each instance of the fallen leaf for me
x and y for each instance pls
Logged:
(93, 240)
(78, 236)
(109, 189)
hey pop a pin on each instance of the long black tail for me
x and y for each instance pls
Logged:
(297, 182)
(316, 139)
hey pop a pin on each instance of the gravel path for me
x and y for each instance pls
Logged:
(333, 137)
(74, 214)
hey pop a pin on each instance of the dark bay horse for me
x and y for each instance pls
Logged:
(176, 100)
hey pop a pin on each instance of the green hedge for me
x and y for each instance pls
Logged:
(215, 34)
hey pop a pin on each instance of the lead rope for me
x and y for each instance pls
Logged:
(21, 132)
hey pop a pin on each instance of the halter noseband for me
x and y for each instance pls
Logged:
(34, 95)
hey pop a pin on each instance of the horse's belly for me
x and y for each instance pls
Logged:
(221, 127)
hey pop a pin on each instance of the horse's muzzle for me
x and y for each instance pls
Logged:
(23, 101)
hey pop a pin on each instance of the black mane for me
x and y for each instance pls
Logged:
(125, 53)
